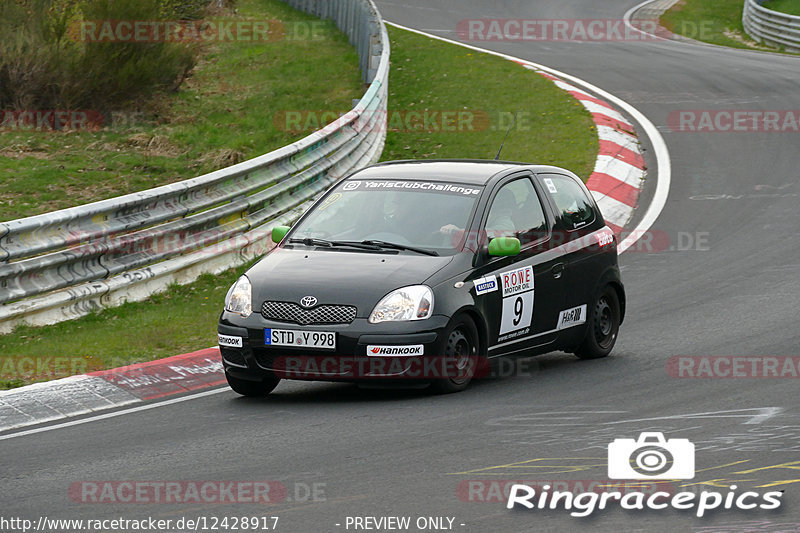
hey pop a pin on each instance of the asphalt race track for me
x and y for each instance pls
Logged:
(723, 281)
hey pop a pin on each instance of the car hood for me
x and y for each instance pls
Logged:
(338, 277)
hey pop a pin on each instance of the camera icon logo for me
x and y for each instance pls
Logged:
(651, 457)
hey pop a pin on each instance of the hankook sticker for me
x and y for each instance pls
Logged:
(396, 351)
(228, 340)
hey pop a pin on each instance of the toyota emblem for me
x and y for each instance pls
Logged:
(308, 301)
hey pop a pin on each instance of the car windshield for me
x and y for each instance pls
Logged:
(427, 215)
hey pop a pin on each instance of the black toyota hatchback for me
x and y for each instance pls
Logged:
(423, 271)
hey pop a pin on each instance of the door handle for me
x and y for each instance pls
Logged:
(557, 270)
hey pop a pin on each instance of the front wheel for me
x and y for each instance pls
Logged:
(255, 389)
(460, 358)
(603, 327)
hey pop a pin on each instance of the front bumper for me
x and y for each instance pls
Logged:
(348, 362)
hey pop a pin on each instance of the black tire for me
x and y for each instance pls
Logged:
(461, 353)
(603, 326)
(253, 389)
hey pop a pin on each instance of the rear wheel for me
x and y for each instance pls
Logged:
(253, 388)
(603, 327)
(460, 358)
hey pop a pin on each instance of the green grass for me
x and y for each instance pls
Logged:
(222, 114)
(791, 7)
(552, 128)
(718, 22)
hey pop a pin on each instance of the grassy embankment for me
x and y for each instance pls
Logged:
(719, 22)
(221, 114)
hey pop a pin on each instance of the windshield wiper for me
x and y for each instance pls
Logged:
(395, 246)
(311, 241)
(363, 245)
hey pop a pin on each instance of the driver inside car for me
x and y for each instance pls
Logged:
(500, 222)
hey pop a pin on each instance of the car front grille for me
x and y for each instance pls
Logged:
(321, 314)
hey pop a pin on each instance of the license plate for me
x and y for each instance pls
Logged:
(300, 338)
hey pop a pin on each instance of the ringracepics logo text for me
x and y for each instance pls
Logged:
(586, 503)
(652, 457)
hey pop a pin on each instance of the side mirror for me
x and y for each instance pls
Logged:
(504, 246)
(278, 233)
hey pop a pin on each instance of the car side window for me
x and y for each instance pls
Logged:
(572, 203)
(516, 212)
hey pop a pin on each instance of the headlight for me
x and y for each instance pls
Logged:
(408, 303)
(240, 298)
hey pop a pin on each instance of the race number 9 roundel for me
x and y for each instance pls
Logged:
(517, 299)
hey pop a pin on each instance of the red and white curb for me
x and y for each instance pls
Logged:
(108, 389)
(620, 169)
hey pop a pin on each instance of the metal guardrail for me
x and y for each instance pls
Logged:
(64, 264)
(771, 27)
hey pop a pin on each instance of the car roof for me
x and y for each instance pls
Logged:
(471, 171)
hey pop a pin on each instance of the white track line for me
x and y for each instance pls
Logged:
(627, 18)
(114, 414)
(664, 176)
